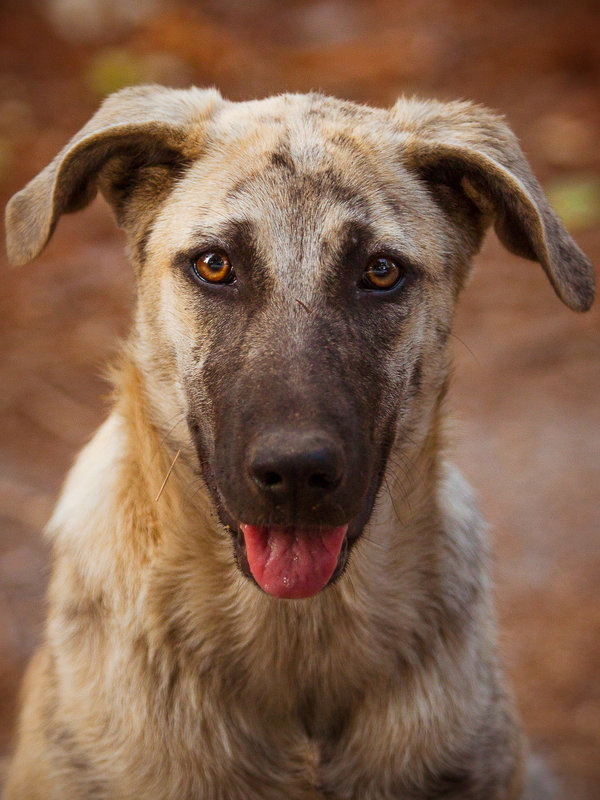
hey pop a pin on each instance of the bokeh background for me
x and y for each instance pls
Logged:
(527, 370)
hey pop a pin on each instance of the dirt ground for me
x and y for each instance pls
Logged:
(527, 370)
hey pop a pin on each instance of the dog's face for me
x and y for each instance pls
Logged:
(298, 260)
(305, 290)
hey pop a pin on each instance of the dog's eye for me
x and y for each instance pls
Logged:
(382, 273)
(214, 267)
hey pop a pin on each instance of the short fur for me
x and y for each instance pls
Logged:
(164, 671)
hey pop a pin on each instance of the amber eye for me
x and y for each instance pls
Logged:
(214, 267)
(382, 273)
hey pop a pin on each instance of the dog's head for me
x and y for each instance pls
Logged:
(298, 260)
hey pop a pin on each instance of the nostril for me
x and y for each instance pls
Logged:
(320, 480)
(265, 476)
(269, 479)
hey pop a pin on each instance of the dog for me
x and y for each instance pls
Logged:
(268, 579)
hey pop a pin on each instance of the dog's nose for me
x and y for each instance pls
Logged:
(291, 464)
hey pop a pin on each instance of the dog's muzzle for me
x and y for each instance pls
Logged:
(294, 475)
(295, 501)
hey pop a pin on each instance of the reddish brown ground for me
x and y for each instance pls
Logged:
(527, 370)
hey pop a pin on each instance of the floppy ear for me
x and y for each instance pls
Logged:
(134, 128)
(472, 150)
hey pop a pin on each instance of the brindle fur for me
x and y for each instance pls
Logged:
(164, 672)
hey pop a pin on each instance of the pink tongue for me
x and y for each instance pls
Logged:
(292, 562)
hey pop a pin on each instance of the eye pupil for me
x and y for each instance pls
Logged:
(382, 273)
(382, 268)
(215, 262)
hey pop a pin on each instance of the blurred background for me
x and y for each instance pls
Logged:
(527, 370)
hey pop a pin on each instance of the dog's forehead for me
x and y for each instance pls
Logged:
(304, 120)
(298, 171)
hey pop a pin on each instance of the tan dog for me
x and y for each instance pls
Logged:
(304, 611)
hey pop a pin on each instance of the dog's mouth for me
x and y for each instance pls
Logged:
(290, 562)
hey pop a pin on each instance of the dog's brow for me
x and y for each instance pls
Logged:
(244, 184)
(226, 233)
(354, 235)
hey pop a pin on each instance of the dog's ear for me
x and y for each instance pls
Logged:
(468, 148)
(135, 128)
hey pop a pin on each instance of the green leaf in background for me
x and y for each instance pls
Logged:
(114, 69)
(576, 200)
